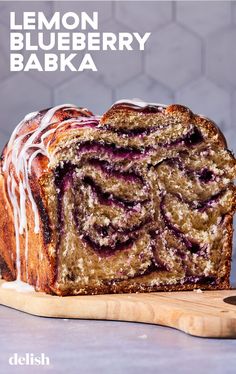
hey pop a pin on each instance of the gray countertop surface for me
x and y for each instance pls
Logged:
(81, 346)
(107, 347)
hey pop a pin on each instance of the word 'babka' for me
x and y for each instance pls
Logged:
(139, 200)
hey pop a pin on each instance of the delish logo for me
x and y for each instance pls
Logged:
(29, 359)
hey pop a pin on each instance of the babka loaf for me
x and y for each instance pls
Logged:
(139, 200)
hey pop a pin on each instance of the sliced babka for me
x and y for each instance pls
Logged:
(139, 200)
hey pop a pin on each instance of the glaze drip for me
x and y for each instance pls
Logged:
(22, 150)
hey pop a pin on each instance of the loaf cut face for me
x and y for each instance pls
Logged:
(139, 200)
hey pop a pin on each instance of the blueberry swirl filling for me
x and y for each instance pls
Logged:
(150, 211)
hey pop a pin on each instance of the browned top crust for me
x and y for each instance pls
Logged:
(57, 123)
(177, 111)
(33, 123)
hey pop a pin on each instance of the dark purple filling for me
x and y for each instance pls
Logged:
(202, 205)
(111, 171)
(207, 280)
(138, 131)
(105, 250)
(159, 264)
(151, 268)
(107, 198)
(201, 280)
(206, 175)
(47, 231)
(193, 138)
(192, 246)
(61, 174)
(62, 179)
(104, 231)
(112, 150)
(149, 109)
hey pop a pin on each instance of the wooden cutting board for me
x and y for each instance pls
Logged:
(203, 314)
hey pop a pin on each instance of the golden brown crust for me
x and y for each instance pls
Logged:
(41, 265)
(126, 287)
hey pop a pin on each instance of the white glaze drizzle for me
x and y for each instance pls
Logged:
(139, 102)
(18, 286)
(22, 164)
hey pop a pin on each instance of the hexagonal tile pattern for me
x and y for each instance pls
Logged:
(104, 8)
(53, 78)
(204, 97)
(204, 18)
(20, 95)
(115, 67)
(146, 89)
(85, 91)
(221, 57)
(131, 14)
(173, 56)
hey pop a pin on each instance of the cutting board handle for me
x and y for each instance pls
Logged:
(204, 314)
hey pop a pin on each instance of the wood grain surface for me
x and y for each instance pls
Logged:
(203, 314)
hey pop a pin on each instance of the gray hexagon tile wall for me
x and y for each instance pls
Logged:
(190, 59)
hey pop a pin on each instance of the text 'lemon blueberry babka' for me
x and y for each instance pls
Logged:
(141, 199)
